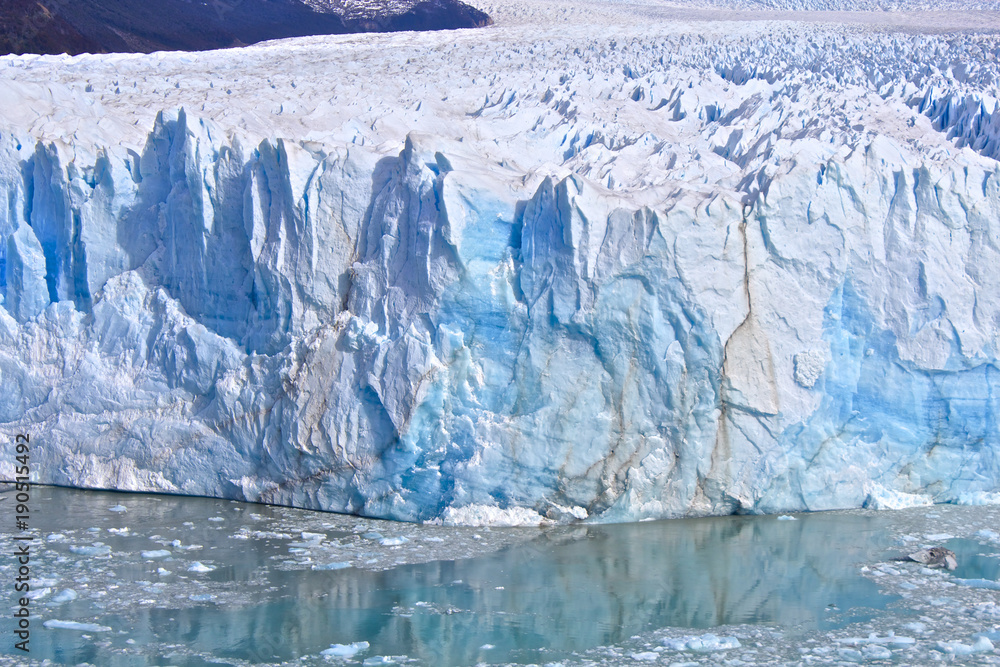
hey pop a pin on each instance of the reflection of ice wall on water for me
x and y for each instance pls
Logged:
(545, 595)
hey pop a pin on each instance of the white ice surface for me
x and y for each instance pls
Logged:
(73, 625)
(345, 650)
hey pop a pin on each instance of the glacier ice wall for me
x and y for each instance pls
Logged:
(646, 270)
(401, 336)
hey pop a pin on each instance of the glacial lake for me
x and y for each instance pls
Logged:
(167, 580)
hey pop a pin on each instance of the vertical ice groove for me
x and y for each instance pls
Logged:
(27, 290)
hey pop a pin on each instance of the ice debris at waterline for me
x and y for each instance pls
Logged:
(584, 281)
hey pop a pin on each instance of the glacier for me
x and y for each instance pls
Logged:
(675, 267)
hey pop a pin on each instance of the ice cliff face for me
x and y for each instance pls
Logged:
(614, 293)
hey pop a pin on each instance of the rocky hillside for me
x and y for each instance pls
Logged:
(109, 26)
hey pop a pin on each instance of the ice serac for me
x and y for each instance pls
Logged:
(421, 331)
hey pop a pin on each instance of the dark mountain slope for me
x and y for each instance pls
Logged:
(105, 26)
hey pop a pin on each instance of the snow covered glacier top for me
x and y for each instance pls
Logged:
(597, 261)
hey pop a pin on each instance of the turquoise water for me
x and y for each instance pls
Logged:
(548, 593)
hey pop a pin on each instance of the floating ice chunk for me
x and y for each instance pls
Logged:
(850, 655)
(987, 534)
(176, 544)
(303, 546)
(201, 597)
(98, 549)
(56, 537)
(647, 656)
(216, 518)
(372, 535)
(785, 517)
(919, 628)
(938, 537)
(702, 644)
(118, 508)
(66, 595)
(198, 566)
(393, 541)
(157, 553)
(486, 647)
(344, 650)
(876, 652)
(332, 566)
(890, 639)
(73, 625)
(981, 645)
(382, 660)
(313, 537)
(38, 594)
(119, 531)
(160, 571)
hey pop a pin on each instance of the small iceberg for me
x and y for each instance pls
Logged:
(98, 549)
(198, 566)
(332, 566)
(344, 650)
(73, 625)
(67, 595)
(702, 644)
(982, 645)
